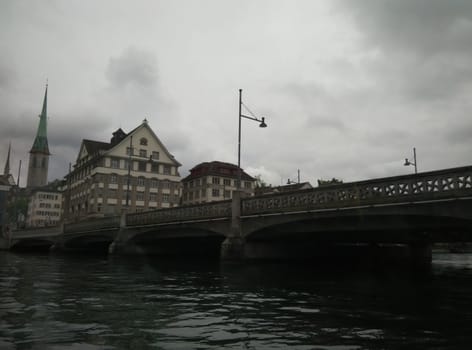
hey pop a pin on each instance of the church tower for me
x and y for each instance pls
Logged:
(7, 178)
(39, 153)
(6, 171)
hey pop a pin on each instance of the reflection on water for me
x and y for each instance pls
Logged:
(57, 302)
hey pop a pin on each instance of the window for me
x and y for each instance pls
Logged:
(129, 151)
(166, 184)
(143, 153)
(155, 168)
(165, 197)
(190, 195)
(215, 192)
(142, 166)
(167, 169)
(227, 194)
(247, 184)
(127, 163)
(197, 182)
(113, 179)
(154, 183)
(143, 141)
(115, 163)
(155, 155)
(191, 184)
(152, 197)
(227, 182)
(141, 181)
(139, 196)
(215, 180)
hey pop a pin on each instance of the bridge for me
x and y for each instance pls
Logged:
(409, 211)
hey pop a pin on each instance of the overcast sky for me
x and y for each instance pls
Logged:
(347, 88)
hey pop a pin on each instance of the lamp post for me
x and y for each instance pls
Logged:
(407, 162)
(261, 125)
(129, 170)
(291, 182)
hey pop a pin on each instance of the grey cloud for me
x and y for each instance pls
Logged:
(426, 26)
(424, 45)
(134, 67)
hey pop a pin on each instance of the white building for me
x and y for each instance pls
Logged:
(44, 208)
(133, 171)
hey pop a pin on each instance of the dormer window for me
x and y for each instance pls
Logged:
(143, 141)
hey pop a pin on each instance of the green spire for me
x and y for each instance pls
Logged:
(41, 141)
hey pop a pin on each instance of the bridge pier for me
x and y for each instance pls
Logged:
(121, 244)
(232, 248)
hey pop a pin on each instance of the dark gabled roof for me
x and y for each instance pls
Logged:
(94, 147)
(217, 168)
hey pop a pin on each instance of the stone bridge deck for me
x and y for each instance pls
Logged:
(234, 219)
(447, 184)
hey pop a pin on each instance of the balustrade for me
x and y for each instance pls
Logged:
(93, 224)
(201, 211)
(448, 183)
(430, 185)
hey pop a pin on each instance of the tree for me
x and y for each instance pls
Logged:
(259, 181)
(333, 181)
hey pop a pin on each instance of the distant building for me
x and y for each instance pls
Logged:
(44, 208)
(214, 181)
(260, 191)
(39, 154)
(4, 190)
(6, 183)
(7, 177)
(133, 171)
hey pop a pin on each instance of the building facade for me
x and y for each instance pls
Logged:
(39, 154)
(44, 208)
(6, 183)
(214, 181)
(134, 171)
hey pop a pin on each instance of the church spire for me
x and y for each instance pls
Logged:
(41, 141)
(39, 154)
(7, 163)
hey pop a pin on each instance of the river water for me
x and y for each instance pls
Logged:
(72, 302)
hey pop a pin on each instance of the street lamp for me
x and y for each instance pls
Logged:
(129, 170)
(291, 182)
(407, 162)
(261, 125)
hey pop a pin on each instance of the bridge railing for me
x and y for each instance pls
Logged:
(110, 222)
(448, 183)
(37, 232)
(194, 212)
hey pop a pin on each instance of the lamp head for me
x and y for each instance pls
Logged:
(407, 162)
(263, 124)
